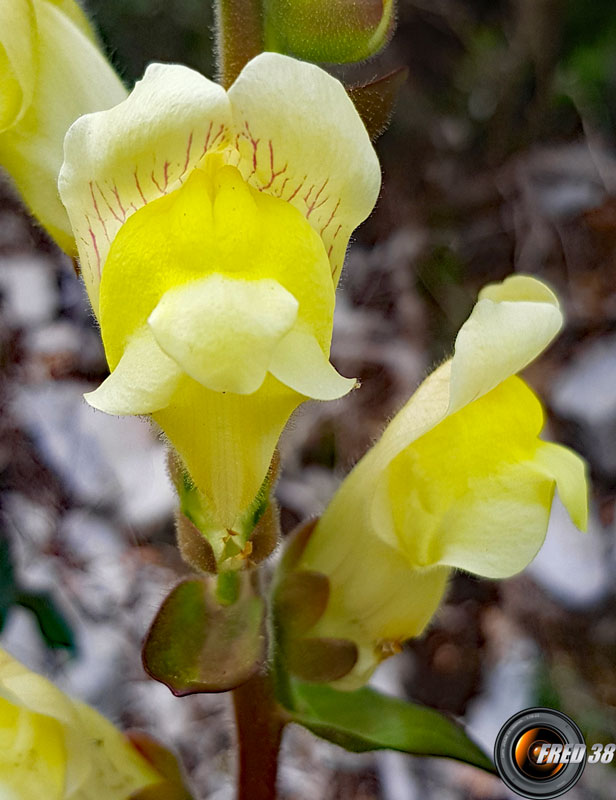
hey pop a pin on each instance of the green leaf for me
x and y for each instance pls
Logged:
(54, 627)
(367, 720)
(8, 588)
(196, 644)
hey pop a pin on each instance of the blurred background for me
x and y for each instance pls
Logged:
(500, 158)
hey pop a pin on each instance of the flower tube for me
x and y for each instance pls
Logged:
(212, 227)
(459, 479)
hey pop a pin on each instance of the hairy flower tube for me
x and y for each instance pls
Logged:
(56, 748)
(459, 479)
(51, 72)
(212, 226)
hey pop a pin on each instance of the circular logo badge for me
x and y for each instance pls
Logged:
(540, 753)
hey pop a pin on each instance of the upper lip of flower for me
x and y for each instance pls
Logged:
(288, 126)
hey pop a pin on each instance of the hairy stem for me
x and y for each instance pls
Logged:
(239, 36)
(260, 723)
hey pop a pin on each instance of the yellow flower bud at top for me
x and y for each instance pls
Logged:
(459, 479)
(51, 72)
(212, 227)
(55, 748)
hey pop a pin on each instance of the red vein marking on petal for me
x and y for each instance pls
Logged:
(166, 174)
(112, 211)
(331, 247)
(273, 172)
(98, 213)
(117, 197)
(313, 203)
(255, 145)
(187, 161)
(206, 144)
(300, 186)
(219, 133)
(134, 207)
(331, 216)
(145, 202)
(156, 183)
(283, 186)
(98, 255)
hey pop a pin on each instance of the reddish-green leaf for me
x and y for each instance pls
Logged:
(198, 644)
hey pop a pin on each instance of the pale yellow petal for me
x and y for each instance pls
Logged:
(300, 138)
(299, 362)
(222, 330)
(571, 475)
(72, 78)
(143, 381)
(33, 762)
(468, 493)
(18, 59)
(75, 13)
(142, 149)
(117, 770)
(511, 324)
(54, 748)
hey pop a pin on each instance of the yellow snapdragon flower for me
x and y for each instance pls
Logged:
(55, 748)
(212, 226)
(459, 479)
(51, 72)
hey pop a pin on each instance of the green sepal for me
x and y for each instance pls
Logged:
(300, 600)
(375, 101)
(319, 659)
(331, 31)
(198, 644)
(210, 549)
(368, 720)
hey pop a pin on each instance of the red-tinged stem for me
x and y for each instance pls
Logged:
(260, 723)
(239, 36)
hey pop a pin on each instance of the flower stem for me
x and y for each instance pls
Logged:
(239, 36)
(260, 723)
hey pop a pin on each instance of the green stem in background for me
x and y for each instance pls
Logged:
(260, 723)
(239, 36)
